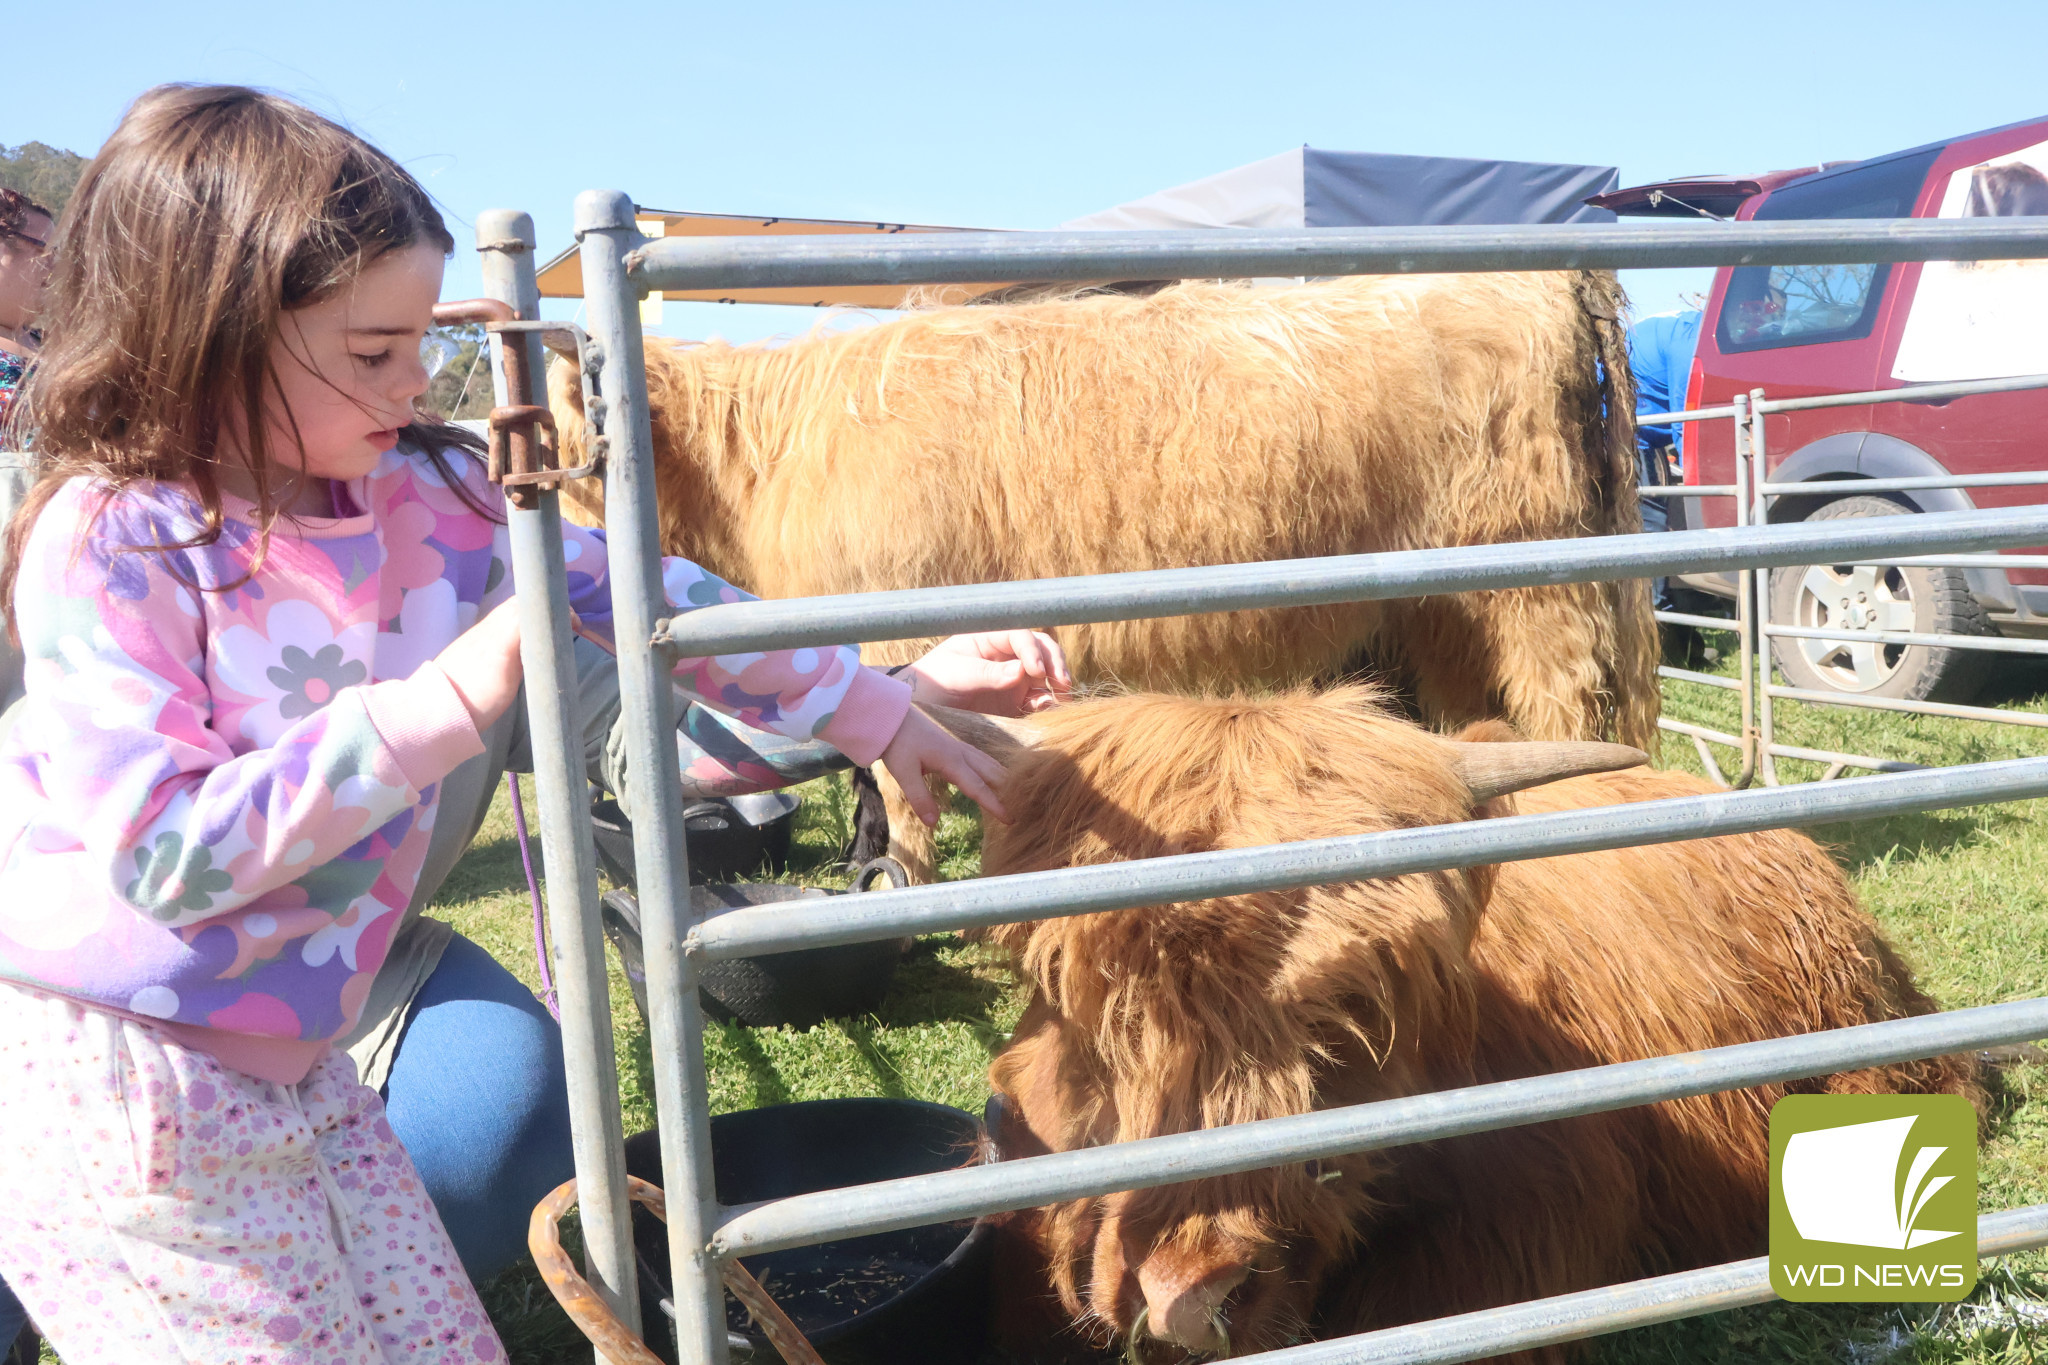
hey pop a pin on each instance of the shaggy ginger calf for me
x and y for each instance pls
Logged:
(1182, 1017)
(1205, 424)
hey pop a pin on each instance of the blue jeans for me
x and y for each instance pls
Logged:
(478, 1096)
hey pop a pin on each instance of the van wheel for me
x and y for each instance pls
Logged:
(1862, 597)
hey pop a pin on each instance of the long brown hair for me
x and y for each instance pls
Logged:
(210, 212)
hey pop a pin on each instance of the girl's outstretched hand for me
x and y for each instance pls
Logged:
(483, 664)
(921, 747)
(1000, 672)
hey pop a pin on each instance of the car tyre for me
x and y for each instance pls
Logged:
(1929, 601)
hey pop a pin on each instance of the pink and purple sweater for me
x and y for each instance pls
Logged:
(216, 800)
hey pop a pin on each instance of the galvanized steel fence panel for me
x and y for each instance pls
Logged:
(619, 267)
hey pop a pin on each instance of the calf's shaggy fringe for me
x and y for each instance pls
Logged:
(1204, 424)
(1180, 1017)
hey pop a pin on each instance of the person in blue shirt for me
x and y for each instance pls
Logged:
(1660, 350)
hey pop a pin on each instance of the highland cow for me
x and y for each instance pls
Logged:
(1208, 423)
(1181, 1017)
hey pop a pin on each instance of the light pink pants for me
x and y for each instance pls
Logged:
(157, 1206)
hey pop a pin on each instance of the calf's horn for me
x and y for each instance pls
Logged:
(1002, 738)
(1492, 770)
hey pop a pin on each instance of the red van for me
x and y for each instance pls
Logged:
(1795, 331)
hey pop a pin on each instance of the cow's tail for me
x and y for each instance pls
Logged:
(1629, 662)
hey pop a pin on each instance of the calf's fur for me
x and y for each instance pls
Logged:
(1181, 1017)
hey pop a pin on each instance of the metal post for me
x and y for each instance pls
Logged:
(506, 241)
(605, 232)
(1759, 475)
(1745, 623)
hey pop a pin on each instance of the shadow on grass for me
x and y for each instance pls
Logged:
(491, 867)
(2016, 679)
(766, 1082)
(532, 1325)
(931, 986)
(2008, 1088)
(888, 1080)
(1900, 839)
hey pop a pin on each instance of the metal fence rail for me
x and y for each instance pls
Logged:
(1351, 857)
(803, 1219)
(1905, 393)
(619, 266)
(791, 623)
(826, 262)
(1574, 1317)
(533, 517)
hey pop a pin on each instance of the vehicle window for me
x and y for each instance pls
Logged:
(1798, 305)
(1982, 319)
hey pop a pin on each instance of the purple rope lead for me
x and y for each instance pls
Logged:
(540, 933)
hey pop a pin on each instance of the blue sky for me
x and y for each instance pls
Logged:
(1027, 115)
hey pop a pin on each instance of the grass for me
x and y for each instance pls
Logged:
(1963, 893)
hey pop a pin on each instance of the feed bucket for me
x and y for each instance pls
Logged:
(916, 1297)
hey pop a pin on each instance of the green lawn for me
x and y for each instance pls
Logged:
(1964, 894)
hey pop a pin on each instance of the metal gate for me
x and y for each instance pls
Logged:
(619, 267)
(1753, 627)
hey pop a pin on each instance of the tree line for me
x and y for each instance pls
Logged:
(44, 173)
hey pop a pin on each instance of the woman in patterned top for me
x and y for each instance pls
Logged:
(25, 228)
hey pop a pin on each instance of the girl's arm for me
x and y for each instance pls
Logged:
(801, 693)
(121, 739)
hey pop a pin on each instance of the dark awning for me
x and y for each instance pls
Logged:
(1692, 196)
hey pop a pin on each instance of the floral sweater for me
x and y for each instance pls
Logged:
(217, 798)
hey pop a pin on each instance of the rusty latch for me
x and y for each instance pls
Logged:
(509, 458)
(519, 457)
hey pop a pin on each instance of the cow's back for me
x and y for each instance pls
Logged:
(1208, 424)
(1660, 949)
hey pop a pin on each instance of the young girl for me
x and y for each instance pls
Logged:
(261, 610)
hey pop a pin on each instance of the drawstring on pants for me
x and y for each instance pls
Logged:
(337, 1217)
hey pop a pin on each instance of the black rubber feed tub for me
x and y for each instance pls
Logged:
(916, 1297)
(798, 988)
(723, 844)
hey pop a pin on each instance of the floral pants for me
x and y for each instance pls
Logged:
(156, 1206)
